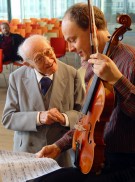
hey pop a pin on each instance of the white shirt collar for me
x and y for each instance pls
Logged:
(39, 76)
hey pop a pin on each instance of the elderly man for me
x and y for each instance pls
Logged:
(39, 116)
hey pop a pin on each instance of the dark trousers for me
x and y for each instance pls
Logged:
(118, 168)
(73, 174)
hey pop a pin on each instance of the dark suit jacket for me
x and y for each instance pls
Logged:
(16, 41)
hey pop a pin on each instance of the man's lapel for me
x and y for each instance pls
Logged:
(33, 91)
(58, 88)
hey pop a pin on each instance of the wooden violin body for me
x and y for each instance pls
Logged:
(88, 135)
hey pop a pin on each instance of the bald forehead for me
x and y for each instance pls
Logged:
(34, 44)
(69, 28)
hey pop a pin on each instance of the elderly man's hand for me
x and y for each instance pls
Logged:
(51, 116)
(51, 151)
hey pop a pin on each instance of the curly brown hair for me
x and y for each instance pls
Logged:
(79, 13)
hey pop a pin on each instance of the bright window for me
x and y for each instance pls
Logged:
(56, 8)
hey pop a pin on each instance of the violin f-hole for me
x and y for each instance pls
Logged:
(89, 132)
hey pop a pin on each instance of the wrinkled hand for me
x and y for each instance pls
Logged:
(105, 68)
(51, 151)
(51, 116)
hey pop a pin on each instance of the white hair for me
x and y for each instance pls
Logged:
(32, 44)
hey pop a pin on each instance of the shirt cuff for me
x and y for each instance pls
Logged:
(38, 119)
(66, 119)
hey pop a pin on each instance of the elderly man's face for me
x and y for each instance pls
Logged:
(44, 60)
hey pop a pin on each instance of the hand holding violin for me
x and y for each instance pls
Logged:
(105, 68)
(51, 151)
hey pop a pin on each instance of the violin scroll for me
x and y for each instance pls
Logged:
(125, 20)
(117, 36)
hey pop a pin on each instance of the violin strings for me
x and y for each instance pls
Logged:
(111, 54)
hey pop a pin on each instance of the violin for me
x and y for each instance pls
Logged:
(88, 142)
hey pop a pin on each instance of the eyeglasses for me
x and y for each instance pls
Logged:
(41, 55)
(48, 52)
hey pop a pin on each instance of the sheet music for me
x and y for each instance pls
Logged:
(22, 166)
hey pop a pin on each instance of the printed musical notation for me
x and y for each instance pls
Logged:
(22, 166)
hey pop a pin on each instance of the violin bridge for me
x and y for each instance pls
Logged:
(79, 127)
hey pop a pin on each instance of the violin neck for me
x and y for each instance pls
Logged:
(106, 48)
(93, 87)
(90, 94)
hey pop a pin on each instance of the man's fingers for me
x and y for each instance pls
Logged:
(41, 153)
